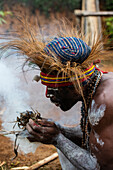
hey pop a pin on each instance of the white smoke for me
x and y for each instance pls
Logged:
(18, 95)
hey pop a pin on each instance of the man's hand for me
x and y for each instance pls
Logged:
(43, 131)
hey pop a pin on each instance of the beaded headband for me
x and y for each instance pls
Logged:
(59, 81)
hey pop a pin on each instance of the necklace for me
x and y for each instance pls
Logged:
(85, 125)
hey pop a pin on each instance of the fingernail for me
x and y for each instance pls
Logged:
(39, 120)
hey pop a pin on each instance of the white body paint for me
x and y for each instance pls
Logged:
(65, 163)
(95, 114)
(99, 141)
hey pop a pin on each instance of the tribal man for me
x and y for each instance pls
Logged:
(69, 72)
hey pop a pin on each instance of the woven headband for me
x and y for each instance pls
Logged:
(54, 81)
(68, 49)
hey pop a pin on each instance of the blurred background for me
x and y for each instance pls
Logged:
(17, 90)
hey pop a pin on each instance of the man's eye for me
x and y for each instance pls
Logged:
(50, 91)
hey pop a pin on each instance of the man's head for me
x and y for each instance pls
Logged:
(61, 86)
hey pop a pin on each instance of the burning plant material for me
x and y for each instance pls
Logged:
(25, 116)
(21, 123)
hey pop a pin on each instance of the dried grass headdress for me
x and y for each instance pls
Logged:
(39, 51)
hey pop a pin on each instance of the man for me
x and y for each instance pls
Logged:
(68, 70)
(96, 124)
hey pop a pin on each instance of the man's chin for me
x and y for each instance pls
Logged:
(64, 108)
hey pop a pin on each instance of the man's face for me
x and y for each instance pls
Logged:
(63, 97)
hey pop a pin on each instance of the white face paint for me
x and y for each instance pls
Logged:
(99, 141)
(95, 114)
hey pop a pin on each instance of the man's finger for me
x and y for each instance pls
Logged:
(44, 130)
(36, 136)
(46, 123)
(40, 129)
(30, 130)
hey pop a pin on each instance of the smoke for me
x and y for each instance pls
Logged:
(13, 101)
(19, 93)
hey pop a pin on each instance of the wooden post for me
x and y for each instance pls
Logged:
(90, 25)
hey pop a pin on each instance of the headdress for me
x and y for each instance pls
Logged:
(66, 58)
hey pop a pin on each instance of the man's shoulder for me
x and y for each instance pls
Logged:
(104, 93)
(108, 76)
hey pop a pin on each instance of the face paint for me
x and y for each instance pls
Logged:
(50, 91)
(95, 114)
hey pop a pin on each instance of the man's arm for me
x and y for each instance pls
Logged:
(79, 157)
(72, 133)
(48, 133)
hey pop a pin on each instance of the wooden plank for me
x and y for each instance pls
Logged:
(83, 19)
(81, 13)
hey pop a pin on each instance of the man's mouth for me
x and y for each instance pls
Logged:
(57, 103)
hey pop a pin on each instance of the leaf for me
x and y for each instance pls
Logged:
(2, 21)
(2, 13)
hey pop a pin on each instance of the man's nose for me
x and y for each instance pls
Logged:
(47, 93)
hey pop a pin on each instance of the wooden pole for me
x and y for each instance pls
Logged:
(81, 13)
(90, 25)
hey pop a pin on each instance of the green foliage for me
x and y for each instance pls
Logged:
(109, 28)
(108, 4)
(2, 15)
(47, 6)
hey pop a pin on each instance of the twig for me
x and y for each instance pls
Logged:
(20, 168)
(4, 132)
(40, 163)
(15, 148)
(2, 163)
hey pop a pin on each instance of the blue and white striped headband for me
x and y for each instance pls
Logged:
(68, 49)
